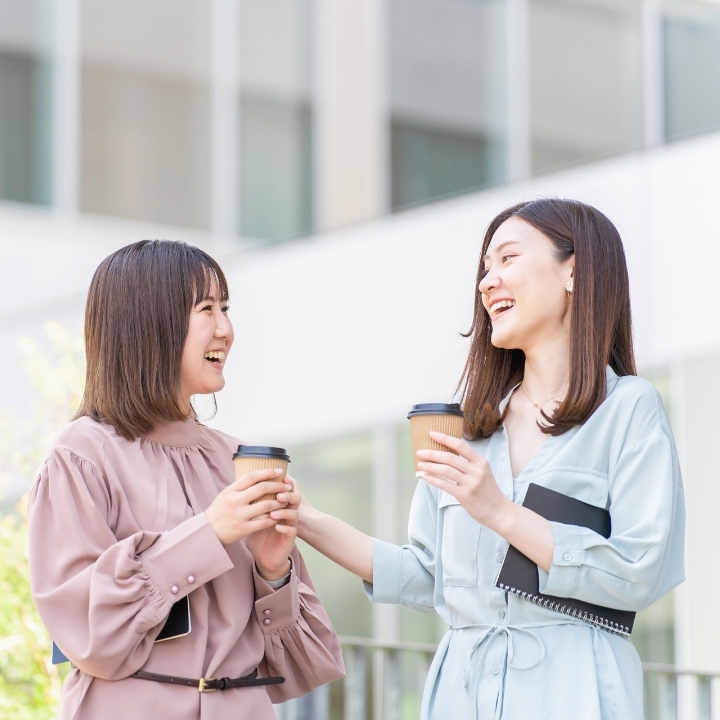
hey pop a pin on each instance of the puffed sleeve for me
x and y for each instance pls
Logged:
(643, 557)
(405, 575)
(300, 642)
(104, 601)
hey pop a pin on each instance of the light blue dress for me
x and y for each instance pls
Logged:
(508, 658)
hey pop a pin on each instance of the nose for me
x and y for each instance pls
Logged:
(223, 326)
(490, 282)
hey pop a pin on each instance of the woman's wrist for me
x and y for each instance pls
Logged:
(308, 519)
(504, 518)
(274, 574)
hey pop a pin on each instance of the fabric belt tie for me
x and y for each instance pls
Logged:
(473, 669)
(210, 684)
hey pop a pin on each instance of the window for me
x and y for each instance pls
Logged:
(585, 60)
(145, 115)
(691, 61)
(447, 97)
(275, 134)
(336, 477)
(25, 101)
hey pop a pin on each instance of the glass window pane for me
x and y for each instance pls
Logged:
(336, 477)
(692, 58)
(586, 80)
(145, 109)
(447, 97)
(275, 136)
(25, 100)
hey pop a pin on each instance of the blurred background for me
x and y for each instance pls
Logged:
(342, 159)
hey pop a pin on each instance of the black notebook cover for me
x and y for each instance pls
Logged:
(519, 574)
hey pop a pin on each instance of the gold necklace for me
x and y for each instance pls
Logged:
(535, 405)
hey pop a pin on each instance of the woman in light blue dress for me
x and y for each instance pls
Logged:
(550, 397)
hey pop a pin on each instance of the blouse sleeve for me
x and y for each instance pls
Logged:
(104, 601)
(300, 642)
(405, 575)
(643, 557)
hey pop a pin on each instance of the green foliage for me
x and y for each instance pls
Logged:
(29, 683)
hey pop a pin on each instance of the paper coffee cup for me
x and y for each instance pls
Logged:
(260, 457)
(441, 417)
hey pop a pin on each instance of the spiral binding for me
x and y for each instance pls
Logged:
(572, 612)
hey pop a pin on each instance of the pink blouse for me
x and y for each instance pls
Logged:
(117, 535)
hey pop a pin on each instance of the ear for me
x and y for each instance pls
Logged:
(570, 265)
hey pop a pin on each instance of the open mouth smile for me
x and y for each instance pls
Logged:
(500, 306)
(215, 357)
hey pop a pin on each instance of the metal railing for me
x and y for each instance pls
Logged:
(680, 693)
(385, 682)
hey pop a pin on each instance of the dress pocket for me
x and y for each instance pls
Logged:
(460, 541)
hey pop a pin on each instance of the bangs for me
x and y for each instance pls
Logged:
(201, 272)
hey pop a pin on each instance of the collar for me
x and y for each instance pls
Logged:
(175, 433)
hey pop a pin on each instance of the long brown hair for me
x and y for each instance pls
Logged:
(600, 326)
(136, 323)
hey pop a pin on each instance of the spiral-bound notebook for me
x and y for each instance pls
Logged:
(519, 574)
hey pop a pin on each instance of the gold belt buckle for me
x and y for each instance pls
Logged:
(201, 685)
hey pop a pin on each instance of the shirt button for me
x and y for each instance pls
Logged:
(267, 612)
(567, 557)
(495, 669)
(501, 613)
(191, 579)
(174, 589)
(267, 621)
(500, 557)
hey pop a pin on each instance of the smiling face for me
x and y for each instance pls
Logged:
(523, 289)
(210, 336)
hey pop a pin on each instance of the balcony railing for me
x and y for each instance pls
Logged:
(385, 682)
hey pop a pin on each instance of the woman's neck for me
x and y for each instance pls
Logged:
(547, 372)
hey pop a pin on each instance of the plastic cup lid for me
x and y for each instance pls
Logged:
(262, 451)
(437, 409)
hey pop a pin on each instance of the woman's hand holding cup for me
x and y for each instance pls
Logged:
(234, 513)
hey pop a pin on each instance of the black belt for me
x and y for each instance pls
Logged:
(210, 684)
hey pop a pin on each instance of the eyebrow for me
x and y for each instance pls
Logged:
(500, 247)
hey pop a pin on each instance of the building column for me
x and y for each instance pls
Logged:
(66, 106)
(351, 126)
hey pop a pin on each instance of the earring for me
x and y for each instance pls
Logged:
(569, 285)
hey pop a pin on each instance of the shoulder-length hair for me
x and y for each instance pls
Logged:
(600, 326)
(136, 323)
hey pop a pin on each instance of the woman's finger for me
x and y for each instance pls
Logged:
(443, 458)
(264, 506)
(287, 516)
(292, 499)
(439, 482)
(266, 487)
(252, 478)
(444, 471)
(288, 530)
(457, 444)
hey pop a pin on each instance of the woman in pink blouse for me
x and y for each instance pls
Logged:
(136, 508)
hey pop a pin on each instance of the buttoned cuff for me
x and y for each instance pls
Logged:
(276, 609)
(185, 557)
(562, 579)
(387, 573)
